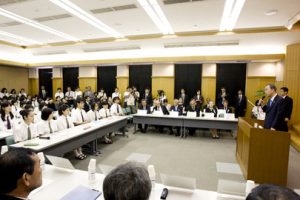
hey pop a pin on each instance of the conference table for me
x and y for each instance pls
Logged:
(57, 182)
(186, 121)
(65, 141)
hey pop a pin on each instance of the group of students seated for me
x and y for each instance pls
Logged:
(21, 173)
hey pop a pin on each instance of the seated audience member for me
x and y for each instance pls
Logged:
(13, 94)
(87, 104)
(6, 117)
(129, 181)
(93, 113)
(161, 96)
(78, 114)
(225, 107)
(47, 124)
(38, 114)
(20, 174)
(207, 102)
(177, 108)
(193, 108)
(26, 130)
(212, 109)
(51, 104)
(116, 109)
(22, 93)
(77, 93)
(102, 95)
(59, 93)
(116, 93)
(15, 108)
(104, 112)
(3, 93)
(184, 96)
(272, 192)
(180, 103)
(110, 102)
(143, 106)
(199, 99)
(163, 109)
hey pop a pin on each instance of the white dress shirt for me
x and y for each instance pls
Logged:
(130, 100)
(22, 94)
(3, 124)
(62, 123)
(78, 114)
(70, 94)
(93, 115)
(60, 94)
(104, 113)
(116, 94)
(43, 127)
(116, 109)
(20, 131)
(77, 94)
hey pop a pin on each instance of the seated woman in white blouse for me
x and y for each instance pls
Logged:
(26, 130)
(93, 113)
(47, 124)
(6, 117)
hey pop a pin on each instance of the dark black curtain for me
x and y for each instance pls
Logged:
(70, 78)
(140, 77)
(106, 78)
(232, 76)
(188, 77)
(45, 79)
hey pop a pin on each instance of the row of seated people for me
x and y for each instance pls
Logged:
(21, 173)
(177, 106)
(30, 125)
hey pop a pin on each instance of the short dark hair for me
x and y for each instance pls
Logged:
(93, 105)
(268, 191)
(116, 98)
(62, 108)
(285, 89)
(42, 105)
(46, 113)
(13, 164)
(104, 103)
(272, 86)
(127, 182)
(78, 101)
(24, 113)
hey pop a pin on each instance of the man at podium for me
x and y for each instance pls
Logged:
(274, 110)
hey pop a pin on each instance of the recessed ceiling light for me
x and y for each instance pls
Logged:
(271, 12)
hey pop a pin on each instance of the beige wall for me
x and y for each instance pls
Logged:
(14, 78)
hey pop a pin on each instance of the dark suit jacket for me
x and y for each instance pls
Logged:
(87, 106)
(240, 106)
(148, 99)
(147, 108)
(228, 109)
(179, 109)
(214, 110)
(220, 99)
(196, 109)
(185, 101)
(288, 107)
(6, 197)
(275, 115)
(41, 95)
(199, 101)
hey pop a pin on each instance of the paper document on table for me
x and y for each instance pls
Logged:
(81, 192)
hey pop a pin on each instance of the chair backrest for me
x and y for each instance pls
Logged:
(9, 140)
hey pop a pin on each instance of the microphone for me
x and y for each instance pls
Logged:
(45, 137)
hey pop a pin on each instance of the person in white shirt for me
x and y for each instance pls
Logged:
(77, 93)
(161, 96)
(93, 113)
(26, 130)
(15, 109)
(59, 93)
(38, 112)
(116, 93)
(104, 112)
(22, 93)
(131, 103)
(6, 117)
(116, 109)
(4, 93)
(126, 95)
(70, 94)
(78, 114)
(102, 95)
(47, 124)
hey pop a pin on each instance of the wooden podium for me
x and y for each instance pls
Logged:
(263, 154)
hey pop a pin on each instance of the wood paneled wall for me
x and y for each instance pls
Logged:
(122, 84)
(88, 81)
(252, 85)
(291, 77)
(14, 78)
(209, 87)
(33, 87)
(166, 83)
(56, 83)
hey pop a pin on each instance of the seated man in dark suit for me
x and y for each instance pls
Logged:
(193, 108)
(20, 173)
(87, 103)
(288, 106)
(225, 107)
(177, 108)
(144, 106)
(163, 109)
(274, 119)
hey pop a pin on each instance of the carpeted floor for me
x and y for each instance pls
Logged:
(211, 162)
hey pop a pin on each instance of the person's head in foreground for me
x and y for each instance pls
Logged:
(129, 181)
(272, 192)
(20, 173)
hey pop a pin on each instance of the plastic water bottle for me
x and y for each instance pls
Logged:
(4, 149)
(92, 172)
(152, 175)
(249, 186)
(42, 160)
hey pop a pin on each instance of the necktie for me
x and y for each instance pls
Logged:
(81, 116)
(28, 133)
(95, 115)
(69, 94)
(270, 103)
(51, 131)
(68, 125)
(105, 113)
(8, 123)
(118, 109)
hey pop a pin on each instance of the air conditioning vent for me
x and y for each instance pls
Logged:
(47, 53)
(54, 17)
(7, 24)
(169, 2)
(91, 50)
(201, 44)
(113, 9)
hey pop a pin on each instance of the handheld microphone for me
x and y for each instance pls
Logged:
(44, 137)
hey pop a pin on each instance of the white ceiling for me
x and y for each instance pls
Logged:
(184, 17)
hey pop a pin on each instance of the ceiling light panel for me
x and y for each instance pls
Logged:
(19, 38)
